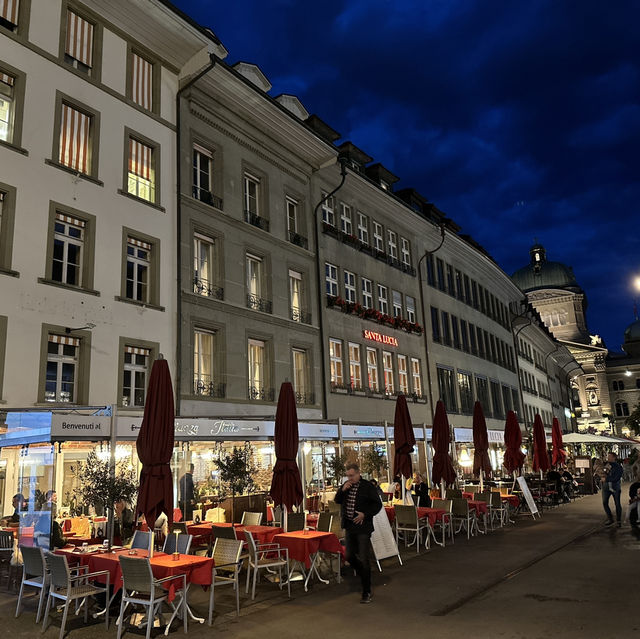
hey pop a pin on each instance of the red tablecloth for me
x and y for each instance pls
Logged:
(513, 500)
(261, 534)
(304, 543)
(432, 514)
(481, 507)
(312, 520)
(468, 495)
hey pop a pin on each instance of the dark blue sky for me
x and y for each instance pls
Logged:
(517, 119)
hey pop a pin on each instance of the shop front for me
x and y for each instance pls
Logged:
(465, 450)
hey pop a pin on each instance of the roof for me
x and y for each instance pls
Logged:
(545, 275)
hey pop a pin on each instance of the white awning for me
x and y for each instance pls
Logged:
(588, 438)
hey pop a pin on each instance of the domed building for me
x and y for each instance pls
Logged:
(552, 289)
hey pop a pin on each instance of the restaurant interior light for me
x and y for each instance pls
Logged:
(464, 458)
(306, 448)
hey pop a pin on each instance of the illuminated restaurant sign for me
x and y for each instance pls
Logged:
(379, 337)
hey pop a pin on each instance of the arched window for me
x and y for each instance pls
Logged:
(618, 385)
(615, 386)
(622, 409)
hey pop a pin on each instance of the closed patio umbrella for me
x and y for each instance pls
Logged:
(481, 462)
(540, 454)
(404, 440)
(559, 453)
(286, 487)
(155, 447)
(443, 471)
(513, 455)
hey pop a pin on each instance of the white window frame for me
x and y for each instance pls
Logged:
(250, 199)
(372, 370)
(336, 363)
(405, 249)
(378, 237)
(410, 303)
(346, 223)
(403, 374)
(254, 266)
(329, 210)
(201, 379)
(367, 292)
(139, 262)
(416, 377)
(383, 299)
(396, 299)
(331, 279)
(292, 214)
(392, 243)
(355, 365)
(363, 228)
(387, 369)
(60, 359)
(202, 268)
(7, 108)
(62, 228)
(133, 367)
(200, 156)
(350, 287)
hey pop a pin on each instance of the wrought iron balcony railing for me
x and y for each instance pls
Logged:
(208, 388)
(261, 394)
(207, 197)
(259, 304)
(298, 240)
(207, 289)
(298, 315)
(256, 220)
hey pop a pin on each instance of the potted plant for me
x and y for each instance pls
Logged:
(237, 471)
(374, 461)
(335, 467)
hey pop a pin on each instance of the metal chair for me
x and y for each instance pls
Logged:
(498, 509)
(296, 521)
(407, 521)
(142, 540)
(472, 488)
(453, 493)
(461, 512)
(264, 556)
(224, 532)
(324, 522)
(34, 574)
(226, 570)
(251, 519)
(446, 523)
(139, 587)
(277, 516)
(182, 545)
(68, 587)
(6, 551)
(179, 525)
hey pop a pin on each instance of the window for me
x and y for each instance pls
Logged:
(138, 267)
(466, 393)
(482, 393)
(472, 339)
(467, 290)
(255, 292)
(256, 363)
(141, 173)
(9, 14)
(515, 400)
(416, 377)
(447, 389)
(367, 293)
(450, 281)
(496, 400)
(618, 386)
(203, 278)
(295, 291)
(403, 377)
(355, 366)
(251, 194)
(202, 172)
(204, 374)
(383, 302)
(411, 309)
(300, 383)
(392, 244)
(350, 287)
(346, 224)
(62, 369)
(481, 352)
(335, 357)
(7, 106)
(372, 370)
(378, 239)
(435, 324)
(637, 382)
(459, 285)
(440, 273)
(331, 279)
(363, 228)
(455, 331)
(406, 251)
(387, 366)
(68, 244)
(134, 376)
(328, 210)
(396, 297)
(141, 81)
(506, 398)
(474, 293)
(464, 335)
(75, 140)
(78, 50)
(481, 299)
(446, 329)
(292, 215)
(622, 409)
(431, 271)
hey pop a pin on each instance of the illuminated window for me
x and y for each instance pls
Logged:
(416, 377)
(141, 180)
(387, 366)
(403, 377)
(335, 357)
(355, 366)
(372, 369)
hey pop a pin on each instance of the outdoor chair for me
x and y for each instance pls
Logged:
(472, 488)
(67, 587)
(142, 540)
(6, 551)
(178, 525)
(296, 521)
(226, 570)
(407, 522)
(182, 545)
(487, 498)
(498, 509)
(139, 587)
(324, 522)
(277, 516)
(251, 519)
(224, 532)
(446, 523)
(265, 556)
(461, 512)
(453, 493)
(34, 574)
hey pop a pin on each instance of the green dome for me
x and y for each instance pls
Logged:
(540, 273)
(632, 332)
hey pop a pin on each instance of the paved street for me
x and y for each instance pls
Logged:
(564, 574)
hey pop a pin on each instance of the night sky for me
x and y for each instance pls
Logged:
(519, 120)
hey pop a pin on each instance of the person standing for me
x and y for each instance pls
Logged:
(359, 503)
(611, 486)
(421, 496)
(187, 493)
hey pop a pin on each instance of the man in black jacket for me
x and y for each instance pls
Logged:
(360, 502)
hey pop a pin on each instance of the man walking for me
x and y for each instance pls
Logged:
(359, 503)
(611, 486)
(187, 493)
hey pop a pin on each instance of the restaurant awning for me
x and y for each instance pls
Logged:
(588, 438)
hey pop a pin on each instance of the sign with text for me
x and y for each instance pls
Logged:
(524, 487)
(383, 540)
(80, 427)
(202, 428)
(380, 338)
(363, 432)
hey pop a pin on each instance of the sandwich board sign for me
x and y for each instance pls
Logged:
(383, 540)
(524, 487)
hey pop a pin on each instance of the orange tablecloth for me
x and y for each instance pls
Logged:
(304, 543)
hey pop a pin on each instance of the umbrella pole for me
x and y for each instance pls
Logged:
(404, 488)
(481, 480)
(443, 490)
(285, 518)
(514, 481)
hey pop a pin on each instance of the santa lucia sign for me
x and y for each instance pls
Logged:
(380, 338)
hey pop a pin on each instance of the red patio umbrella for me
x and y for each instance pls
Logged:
(286, 487)
(442, 466)
(155, 446)
(481, 462)
(403, 439)
(559, 453)
(540, 454)
(513, 456)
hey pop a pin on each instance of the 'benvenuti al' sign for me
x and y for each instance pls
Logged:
(80, 427)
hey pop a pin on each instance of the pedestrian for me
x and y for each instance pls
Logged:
(359, 503)
(421, 496)
(187, 494)
(611, 486)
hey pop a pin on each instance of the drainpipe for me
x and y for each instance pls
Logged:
(181, 90)
(323, 355)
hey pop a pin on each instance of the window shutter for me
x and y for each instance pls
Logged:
(141, 81)
(61, 217)
(5, 78)
(140, 159)
(9, 10)
(79, 38)
(64, 339)
(74, 139)
(134, 350)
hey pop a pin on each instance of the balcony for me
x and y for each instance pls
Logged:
(258, 304)
(205, 387)
(330, 229)
(207, 197)
(298, 315)
(407, 268)
(298, 240)
(260, 394)
(305, 399)
(206, 289)
(256, 220)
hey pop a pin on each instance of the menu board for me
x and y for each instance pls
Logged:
(383, 540)
(522, 482)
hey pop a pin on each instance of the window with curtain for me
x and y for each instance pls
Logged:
(256, 367)
(138, 267)
(355, 366)
(403, 376)
(203, 362)
(9, 13)
(465, 388)
(447, 389)
(78, 51)
(300, 376)
(141, 174)
(68, 243)
(416, 376)
(7, 105)
(254, 275)
(134, 376)
(372, 369)
(62, 369)
(141, 81)
(335, 358)
(387, 367)
(295, 292)
(75, 139)
(202, 264)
